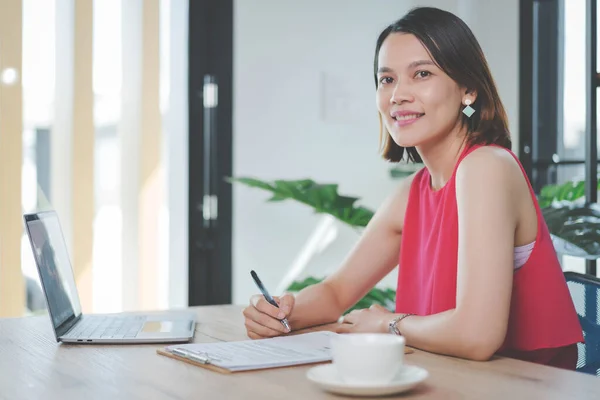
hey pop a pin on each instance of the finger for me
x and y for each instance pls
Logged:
(254, 335)
(378, 307)
(350, 318)
(261, 330)
(286, 303)
(253, 314)
(254, 299)
(343, 328)
(262, 305)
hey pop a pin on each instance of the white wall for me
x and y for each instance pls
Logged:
(304, 107)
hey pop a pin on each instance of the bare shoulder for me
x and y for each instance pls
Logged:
(489, 166)
(490, 178)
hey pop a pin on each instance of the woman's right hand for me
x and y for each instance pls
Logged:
(263, 320)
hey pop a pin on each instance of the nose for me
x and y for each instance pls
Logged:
(401, 94)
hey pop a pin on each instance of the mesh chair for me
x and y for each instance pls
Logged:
(585, 291)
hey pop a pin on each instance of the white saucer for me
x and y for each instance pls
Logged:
(327, 377)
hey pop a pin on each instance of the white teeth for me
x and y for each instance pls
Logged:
(405, 117)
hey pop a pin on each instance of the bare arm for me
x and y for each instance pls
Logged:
(486, 183)
(373, 257)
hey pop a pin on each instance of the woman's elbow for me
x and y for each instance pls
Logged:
(479, 353)
(480, 348)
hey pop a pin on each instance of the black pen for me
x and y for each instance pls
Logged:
(268, 297)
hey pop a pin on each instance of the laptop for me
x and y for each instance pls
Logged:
(70, 325)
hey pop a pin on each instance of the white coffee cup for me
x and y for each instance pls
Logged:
(368, 358)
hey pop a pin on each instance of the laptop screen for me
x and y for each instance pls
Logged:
(54, 266)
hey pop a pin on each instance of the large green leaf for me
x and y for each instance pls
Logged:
(569, 191)
(574, 225)
(323, 198)
(575, 228)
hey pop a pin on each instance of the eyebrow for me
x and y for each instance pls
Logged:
(412, 65)
(418, 63)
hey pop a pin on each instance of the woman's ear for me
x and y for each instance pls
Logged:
(469, 94)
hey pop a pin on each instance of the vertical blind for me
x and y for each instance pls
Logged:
(81, 158)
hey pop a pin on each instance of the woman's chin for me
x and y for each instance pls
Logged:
(404, 141)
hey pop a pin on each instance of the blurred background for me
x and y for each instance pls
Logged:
(128, 117)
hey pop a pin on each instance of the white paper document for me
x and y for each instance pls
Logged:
(244, 355)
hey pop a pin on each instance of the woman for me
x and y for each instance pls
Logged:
(478, 274)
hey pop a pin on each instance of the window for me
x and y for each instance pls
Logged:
(555, 125)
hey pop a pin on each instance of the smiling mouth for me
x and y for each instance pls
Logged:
(407, 117)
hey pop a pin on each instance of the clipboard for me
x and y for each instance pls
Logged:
(295, 350)
(252, 355)
(206, 363)
(198, 362)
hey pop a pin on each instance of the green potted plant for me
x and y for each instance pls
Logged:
(573, 224)
(324, 198)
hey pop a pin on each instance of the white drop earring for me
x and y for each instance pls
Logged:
(468, 110)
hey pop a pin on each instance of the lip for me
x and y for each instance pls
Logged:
(408, 121)
(401, 113)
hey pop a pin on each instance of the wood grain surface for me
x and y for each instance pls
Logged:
(34, 366)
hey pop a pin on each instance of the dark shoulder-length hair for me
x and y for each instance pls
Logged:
(455, 50)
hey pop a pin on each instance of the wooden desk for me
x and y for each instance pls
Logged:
(34, 366)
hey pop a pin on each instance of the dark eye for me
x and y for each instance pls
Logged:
(385, 80)
(422, 74)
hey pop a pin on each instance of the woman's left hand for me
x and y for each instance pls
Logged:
(373, 320)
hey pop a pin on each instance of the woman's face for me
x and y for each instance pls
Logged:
(418, 102)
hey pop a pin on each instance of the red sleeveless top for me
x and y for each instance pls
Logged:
(543, 325)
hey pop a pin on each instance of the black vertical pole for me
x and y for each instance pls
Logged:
(210, 152)
(526, 88)
(591, 142)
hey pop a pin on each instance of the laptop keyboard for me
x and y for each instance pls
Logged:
(107, 327)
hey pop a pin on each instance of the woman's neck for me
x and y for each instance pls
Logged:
(441, 157)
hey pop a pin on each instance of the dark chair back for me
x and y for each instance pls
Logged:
(585, 291)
